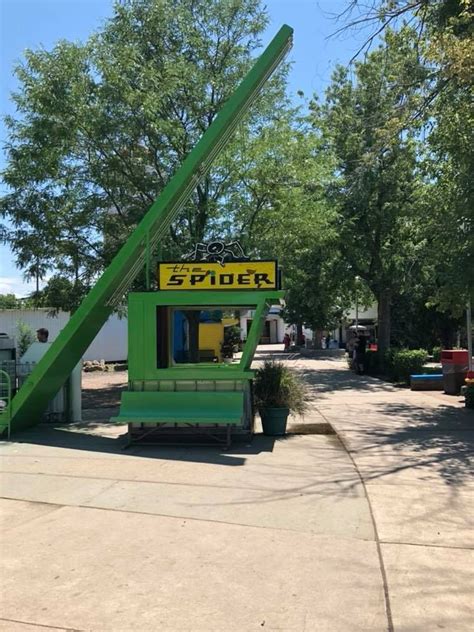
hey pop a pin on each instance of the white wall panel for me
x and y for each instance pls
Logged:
(110, 343)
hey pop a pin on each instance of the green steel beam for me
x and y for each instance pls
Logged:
(199, 372)
(256, 329)
(58, 362)
(143, 341)
(219, 298)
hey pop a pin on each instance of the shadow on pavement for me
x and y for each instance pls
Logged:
(107, 397)
(322, 381)
(442, 437)
(92, 437)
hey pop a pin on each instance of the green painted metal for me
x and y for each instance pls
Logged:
(200, 371)
(210, 298)
(254, 334)
(143, 341)
(148, 261)
(55, 366)
(221, 408)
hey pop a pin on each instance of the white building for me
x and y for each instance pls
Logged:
(110, 344)
(274, 328)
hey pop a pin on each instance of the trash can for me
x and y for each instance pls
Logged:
(455, 363)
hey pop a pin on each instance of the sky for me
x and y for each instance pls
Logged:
(41, 23)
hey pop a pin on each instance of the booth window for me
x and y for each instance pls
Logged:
(204, 335)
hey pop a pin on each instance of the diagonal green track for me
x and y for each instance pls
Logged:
(51, 372)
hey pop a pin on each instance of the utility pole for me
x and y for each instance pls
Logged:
(357, 305)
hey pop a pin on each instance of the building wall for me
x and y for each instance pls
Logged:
(369, 313)
(277, 324)
(110, 344)
(211, 336)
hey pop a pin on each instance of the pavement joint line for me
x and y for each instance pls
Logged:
(388, 609)
(431, 546)
(42, 625)
(52, 509)
(349, 482)
(107, 488)
(185, 518)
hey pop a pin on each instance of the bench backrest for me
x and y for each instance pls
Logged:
(187, 403)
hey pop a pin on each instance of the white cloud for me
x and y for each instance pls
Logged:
(17, 286)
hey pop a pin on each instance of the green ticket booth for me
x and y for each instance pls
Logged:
(175, 389)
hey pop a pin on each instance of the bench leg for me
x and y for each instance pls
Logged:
(128, 438)
(228, 437)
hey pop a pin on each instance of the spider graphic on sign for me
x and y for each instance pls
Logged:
(217, 252)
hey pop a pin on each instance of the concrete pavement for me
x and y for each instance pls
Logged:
(301, 533)
(414, 452)
(274, 535)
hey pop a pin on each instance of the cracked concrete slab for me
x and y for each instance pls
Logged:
(431, 588)
(105, 570)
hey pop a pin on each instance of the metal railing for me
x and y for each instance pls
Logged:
(5, 402)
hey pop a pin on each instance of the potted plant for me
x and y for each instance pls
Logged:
(231, 343)
(277, 392)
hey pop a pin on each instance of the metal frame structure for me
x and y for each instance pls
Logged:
(56, 365)
(143, 341)
(175, 400)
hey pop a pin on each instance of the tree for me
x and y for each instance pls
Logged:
(377, 176)
(25, 337)
(287, 216)
(443, 37)
(103, 126)
(60, 294)
(9, 301)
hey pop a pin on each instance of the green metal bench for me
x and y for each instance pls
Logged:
(204, 411)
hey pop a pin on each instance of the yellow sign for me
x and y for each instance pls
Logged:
(232, 275)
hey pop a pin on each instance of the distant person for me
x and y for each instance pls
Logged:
(286, 342)
(360, 349)
(42, 334)
(350, 346)
(38, 348)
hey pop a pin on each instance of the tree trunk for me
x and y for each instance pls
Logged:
(447, 336)
(317, 339)
(193, 328)
(384, 322)
(299, 335)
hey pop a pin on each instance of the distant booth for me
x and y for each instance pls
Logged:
(189, 372)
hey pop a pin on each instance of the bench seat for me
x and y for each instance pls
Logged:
(427, 382)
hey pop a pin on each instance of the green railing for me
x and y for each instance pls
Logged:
(5, 403)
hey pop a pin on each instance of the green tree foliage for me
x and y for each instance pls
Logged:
(298, 226)
(102, 126)
(377, 179)
(60, 293)
(443, 38)
(25, 337)
(9, 301)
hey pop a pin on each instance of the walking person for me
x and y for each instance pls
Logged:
(360, 349)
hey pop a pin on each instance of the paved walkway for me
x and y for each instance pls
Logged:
(303, 533)
(414, 453)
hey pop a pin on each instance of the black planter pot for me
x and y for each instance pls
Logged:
(274, 421)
